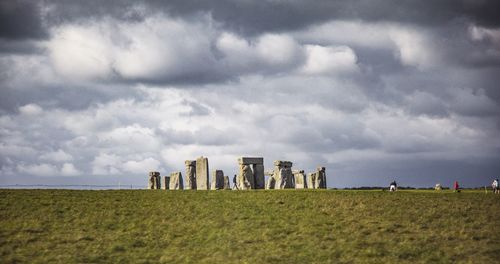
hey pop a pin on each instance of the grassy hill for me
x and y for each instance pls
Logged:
(278, 226)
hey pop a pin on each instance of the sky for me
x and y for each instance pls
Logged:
(101, 92)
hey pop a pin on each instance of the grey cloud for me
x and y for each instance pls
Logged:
(21, 19)
(419, 106)
(254, 17)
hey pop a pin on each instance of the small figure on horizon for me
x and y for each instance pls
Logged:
(494, 186)
(438, 187)
(393, 187)
(456, 187)
(235, 186)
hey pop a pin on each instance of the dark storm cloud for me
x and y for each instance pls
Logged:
(254, 17)
(396, 89)
(21, 19)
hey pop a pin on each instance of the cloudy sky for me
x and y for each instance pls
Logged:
(96, 92)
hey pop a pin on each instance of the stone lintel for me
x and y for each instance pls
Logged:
(283, 163)
(190, 162)
(250, 160)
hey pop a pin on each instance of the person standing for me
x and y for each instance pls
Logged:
(393, 186)
(456, 187)
(494, 186)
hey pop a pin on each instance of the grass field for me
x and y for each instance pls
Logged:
(279, 226)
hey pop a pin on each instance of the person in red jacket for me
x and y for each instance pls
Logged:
(456, 187)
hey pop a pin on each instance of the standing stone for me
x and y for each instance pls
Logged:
(227, 184)
(257, 178)
(202, 173)
(283, 175)
(244, 180)
(311, 180)
(320, 178)
(270, 184)
(260, 180)
(217, 180)
(154, 180)
(300, 179)
(158, 182)
(190, 183)
(151, 180)
(176, 182)
(166, 182)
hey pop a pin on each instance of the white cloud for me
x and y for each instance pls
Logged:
(329, 60)
(59, 155)
(68, 169)
(141, 166)
(479, 33)
(82, 51)
(267, 53)
(414, 48)
(106, 164)
(43, 169)
(280, 50)
(141, 138)
(155, 49)
(411, 46)
(164, 48)
(30, 109)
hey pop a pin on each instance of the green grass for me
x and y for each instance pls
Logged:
(287, 226)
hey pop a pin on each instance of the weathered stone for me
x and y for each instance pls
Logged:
(190, 183)
(311, 180)
(282, 163)
(158, 182)
(284, 179)
(154, 180)
(283, 175)
(320, 178)
(176, 182)
(227, 184)
(250, 160)
(217, 180)
(270, 183)
(245, 179)
(300, 179)
(151, 180)
(202, 174)
(166, 182)
(258, 172)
